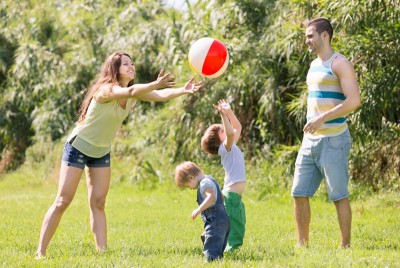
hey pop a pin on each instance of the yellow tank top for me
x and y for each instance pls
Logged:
(95, 134)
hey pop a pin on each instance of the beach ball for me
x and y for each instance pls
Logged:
(208, 57)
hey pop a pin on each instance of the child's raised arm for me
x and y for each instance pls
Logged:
(232, 126)
(222, 107)
(235, 122)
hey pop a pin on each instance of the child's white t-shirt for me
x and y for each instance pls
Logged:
(233, 163)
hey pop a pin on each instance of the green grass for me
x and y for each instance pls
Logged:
(149, 221)
(152, 228)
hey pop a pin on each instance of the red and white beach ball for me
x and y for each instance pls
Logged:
(208, 57)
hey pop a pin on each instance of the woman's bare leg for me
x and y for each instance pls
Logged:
(68, 184)
(98, 183)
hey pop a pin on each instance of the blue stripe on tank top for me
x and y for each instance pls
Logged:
(326, 94)
(320, 69)
(334, 121)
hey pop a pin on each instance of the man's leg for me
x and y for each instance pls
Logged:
(302, 215)
(307, 178)
(335, 167)
(344, 216)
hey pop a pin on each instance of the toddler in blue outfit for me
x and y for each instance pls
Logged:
(211, 207)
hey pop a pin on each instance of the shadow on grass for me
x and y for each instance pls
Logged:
(242, 255)
(144, 251)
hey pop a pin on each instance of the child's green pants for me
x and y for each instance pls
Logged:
(237, 215)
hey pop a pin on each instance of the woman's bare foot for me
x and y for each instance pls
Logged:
(39, 256)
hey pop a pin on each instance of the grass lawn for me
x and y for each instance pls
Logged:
(152, 228)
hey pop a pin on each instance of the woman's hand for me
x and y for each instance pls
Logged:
(165, 81)
(191, 87)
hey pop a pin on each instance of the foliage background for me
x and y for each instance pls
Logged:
(51, 51)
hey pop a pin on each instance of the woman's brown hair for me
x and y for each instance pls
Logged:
(109, 75)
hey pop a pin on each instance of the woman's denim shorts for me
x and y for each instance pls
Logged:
(74, 158)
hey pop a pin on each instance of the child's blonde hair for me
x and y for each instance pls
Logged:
(210, 141)
(184, 170)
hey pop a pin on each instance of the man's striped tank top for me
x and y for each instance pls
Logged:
(324, 93)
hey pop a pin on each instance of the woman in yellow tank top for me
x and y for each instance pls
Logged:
(103, 110)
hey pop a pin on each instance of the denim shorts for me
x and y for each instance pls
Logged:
(74, 158)
(323, 158)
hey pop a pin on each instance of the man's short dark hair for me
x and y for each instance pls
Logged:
(321, 25)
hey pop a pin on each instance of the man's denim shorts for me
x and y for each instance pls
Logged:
(73, 157)
(323, 158)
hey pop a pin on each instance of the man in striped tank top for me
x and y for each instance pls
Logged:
(332, 94)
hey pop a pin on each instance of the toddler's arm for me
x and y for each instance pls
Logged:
(208, 201)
